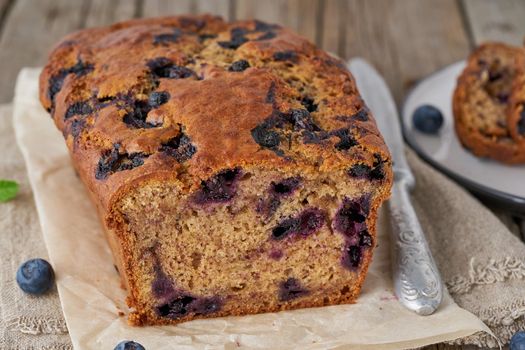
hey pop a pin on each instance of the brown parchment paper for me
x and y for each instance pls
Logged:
(91, 295)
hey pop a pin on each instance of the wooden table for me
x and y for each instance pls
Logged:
(404, 39)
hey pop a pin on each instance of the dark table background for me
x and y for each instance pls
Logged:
(405, 39)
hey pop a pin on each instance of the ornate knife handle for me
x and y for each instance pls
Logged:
(417, 282)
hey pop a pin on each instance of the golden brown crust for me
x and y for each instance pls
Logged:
(170, 100)
(516, 113)
(122, 51)
(480, 103)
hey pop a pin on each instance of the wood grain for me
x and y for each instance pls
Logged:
(502, 20)
(5, 9)
(334, 16)
(103, 12)
(411, 38)
(300, 15)
(151, 8)
(29, 32)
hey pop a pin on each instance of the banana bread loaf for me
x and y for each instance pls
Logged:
(234, 166)
(481, 103)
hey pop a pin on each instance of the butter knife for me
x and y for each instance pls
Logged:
(417, 282)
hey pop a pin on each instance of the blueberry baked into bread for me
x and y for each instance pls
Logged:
(482, 103)
(235, 167)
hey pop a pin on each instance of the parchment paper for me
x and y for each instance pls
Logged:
(92, 298)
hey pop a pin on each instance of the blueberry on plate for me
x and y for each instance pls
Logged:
(128, 345)
(427, 119)
(517, 342)
(35, 276)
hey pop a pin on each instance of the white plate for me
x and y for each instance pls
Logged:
(501, 183)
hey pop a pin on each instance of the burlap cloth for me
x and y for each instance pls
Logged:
(481, 261)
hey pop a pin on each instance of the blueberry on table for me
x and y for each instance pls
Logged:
(427, 119)
(517, 342)
(35, 276)
(128, 345)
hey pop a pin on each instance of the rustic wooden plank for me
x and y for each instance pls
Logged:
(223, 8)
(152, 8)
(103, 12)
(5, 8)
(301, 15)
(29, 32)
(333, 38)
(501, 20)
(409, 40)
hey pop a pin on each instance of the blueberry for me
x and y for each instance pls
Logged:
(76, 127)
(113, 161)
(427, 119)
(270, 95)
(288, 55)
(56, 81)
(136, 117)
(517, 342)
(359, 171)
(179, 147)
(362, 115)
(266, 36)
(301, 120)
(285, 228)
(158, 98)
(353, 257)
(350, 219)
(35, 276)
(165, 39)
(521, 123)
(176, 308)
(291, 289)
(346, 140)
(285, 187)
(261, 26)
(305, 224)
(239, 66)
(264, 137)
(309, 104)
(78, 108)
(162, 67)
(184, 304)
(205, 36)
(128, 345)
(220, 188)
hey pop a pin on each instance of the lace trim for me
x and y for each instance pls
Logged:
(503, 316)
(494, 271)
(58, 347)
(485, 340)
(35, 326)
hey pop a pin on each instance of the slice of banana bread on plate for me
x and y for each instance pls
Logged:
(481, 103)
(235, 167)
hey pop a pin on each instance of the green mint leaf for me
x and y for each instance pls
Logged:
(8, 190)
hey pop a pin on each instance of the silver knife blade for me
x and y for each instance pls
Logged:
(417, 282)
